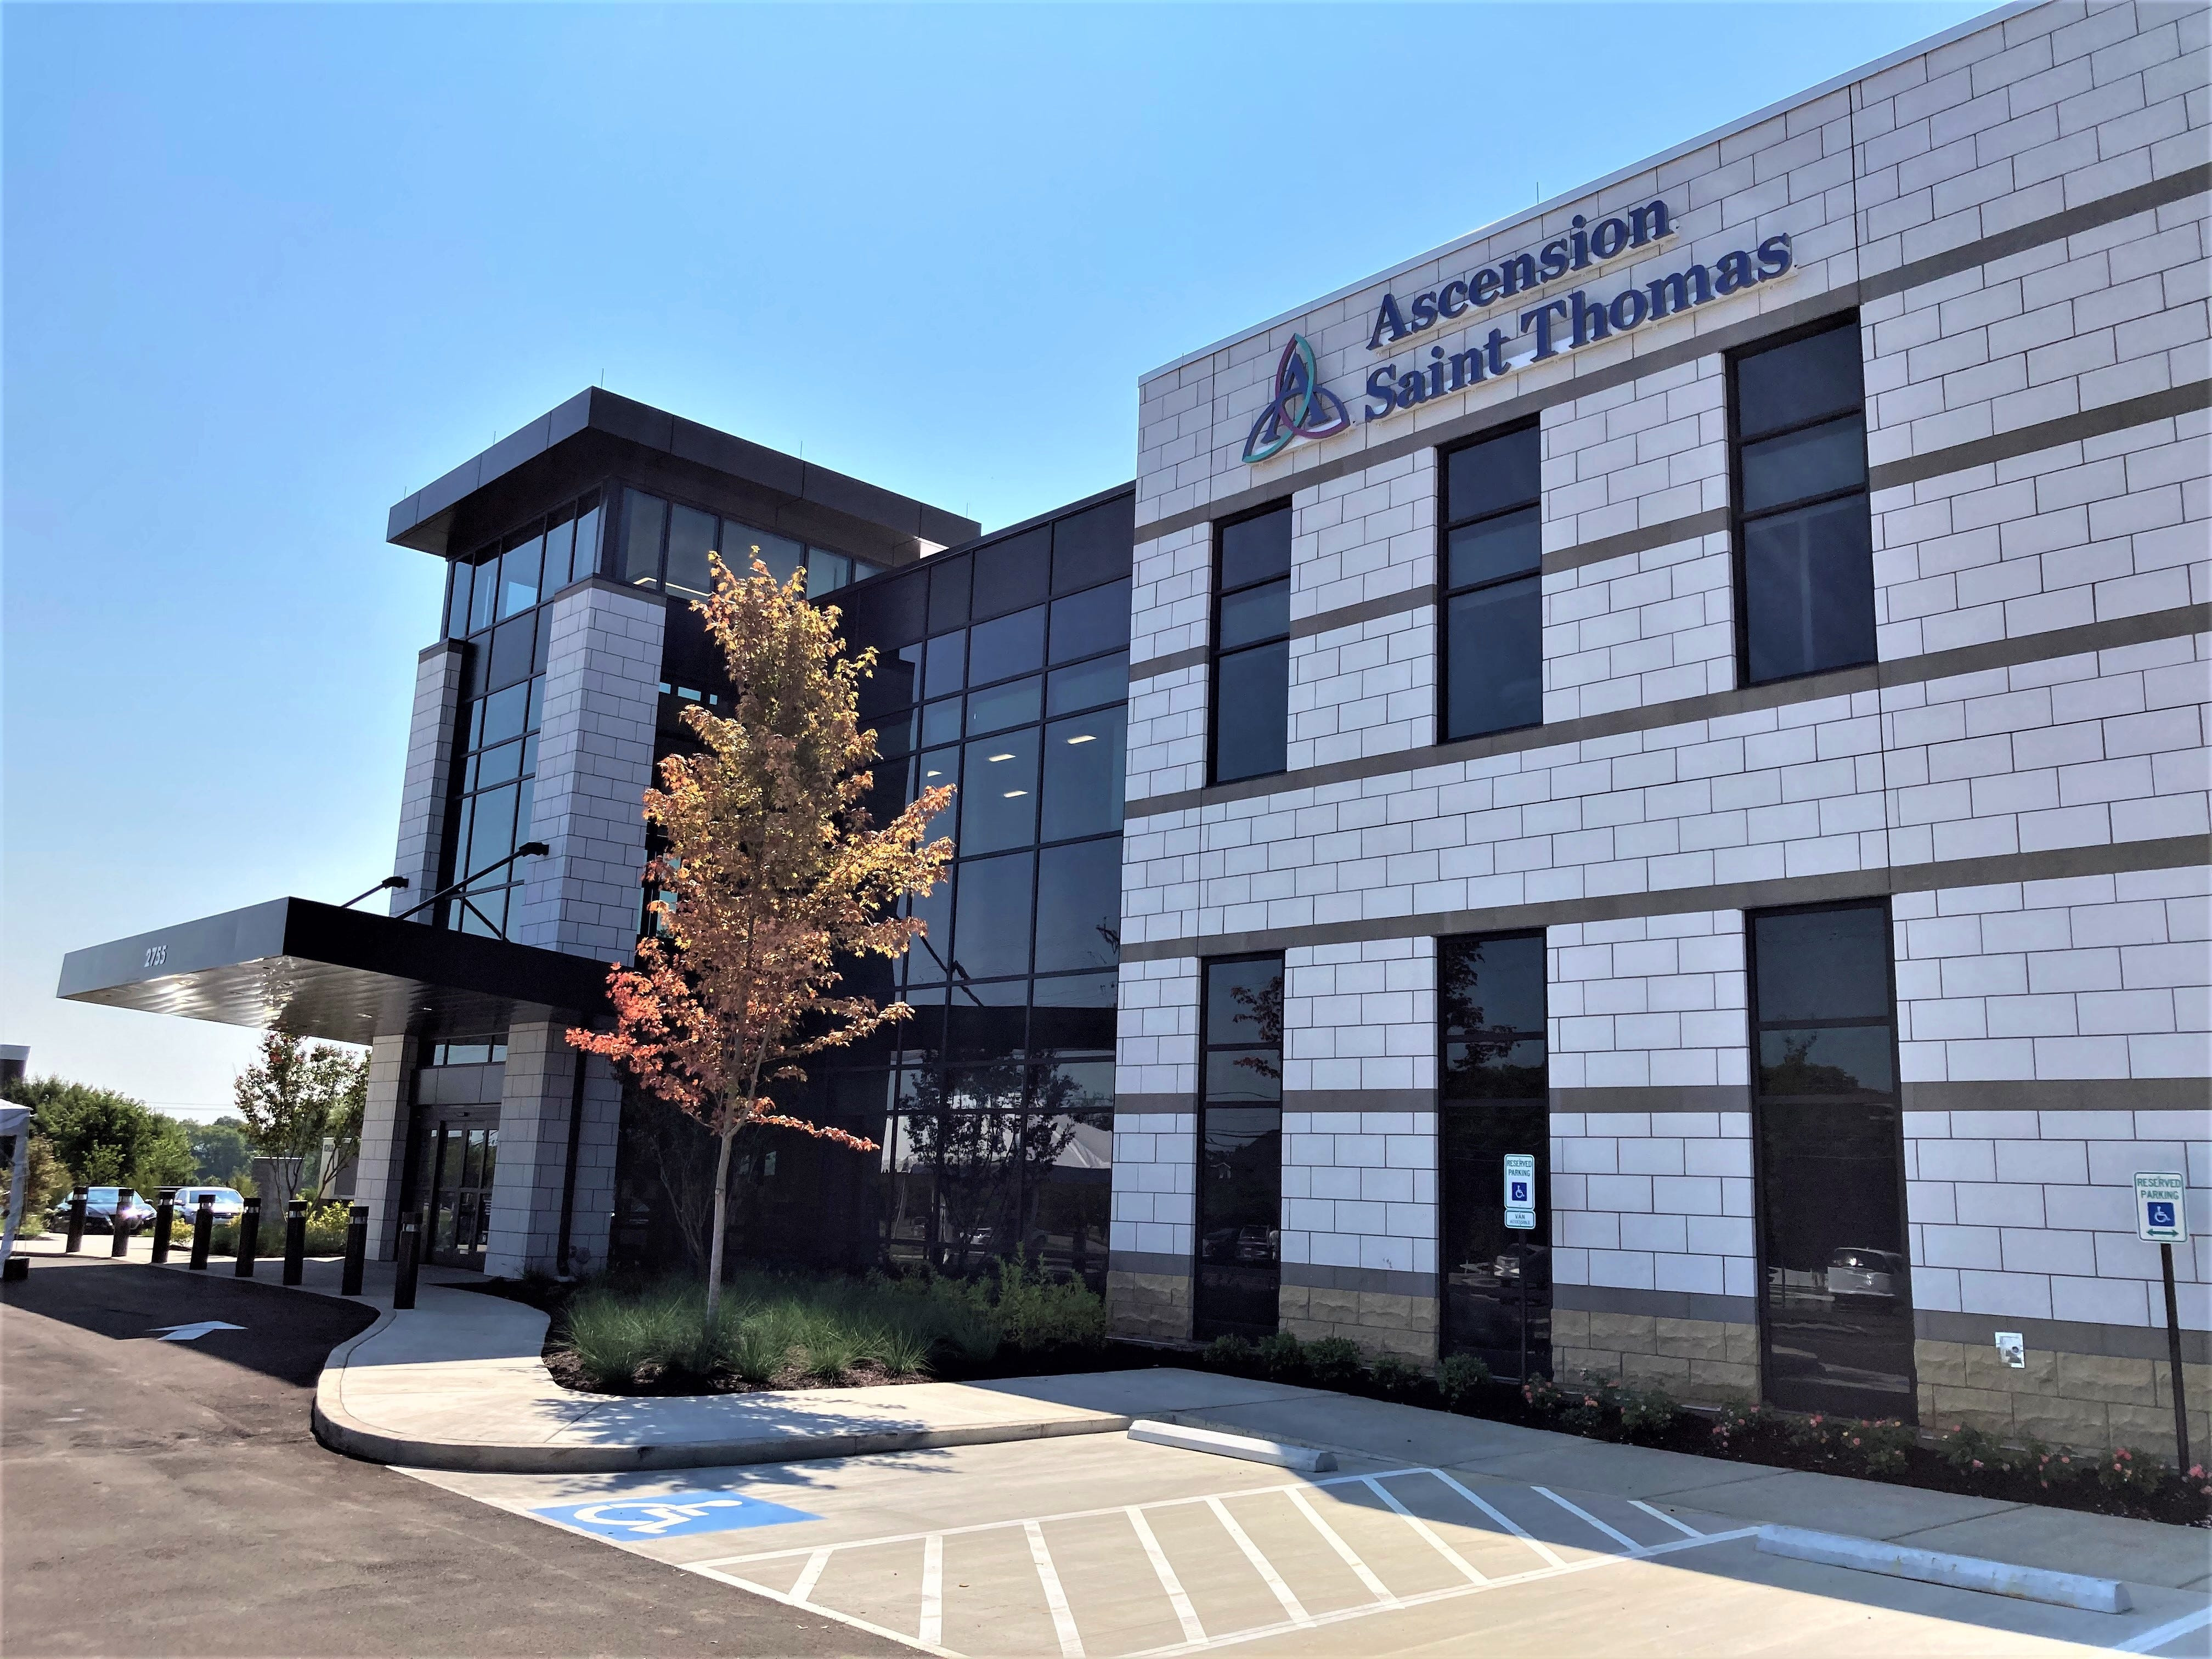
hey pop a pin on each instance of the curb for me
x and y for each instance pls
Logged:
(1969, 1572)
(340, 1430)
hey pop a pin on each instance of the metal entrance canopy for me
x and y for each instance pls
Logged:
(315, 969)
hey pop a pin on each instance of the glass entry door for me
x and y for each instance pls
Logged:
(460, 1160)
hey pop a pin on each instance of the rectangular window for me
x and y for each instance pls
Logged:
(1493, 1104)
(1240, 1148)
(1804, 539)
(1252, 645)
(1494, 615)
(644, 518)
(1836, 1297)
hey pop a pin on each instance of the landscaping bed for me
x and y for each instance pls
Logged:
(2124, 1482)
(785, 1331)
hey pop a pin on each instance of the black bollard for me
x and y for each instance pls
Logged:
(295, 1241)
(249, 1239)
(203, 1232)
(356, 1256)
(410, 1252)
(165, 1218)
(119, 1243)
(76, 1221)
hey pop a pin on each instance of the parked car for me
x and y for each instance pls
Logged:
(1860, 1275)
(100, 1203)
(229, 1202)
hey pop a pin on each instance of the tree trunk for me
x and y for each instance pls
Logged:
(721, 1223)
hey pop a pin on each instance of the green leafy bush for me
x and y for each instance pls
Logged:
(1283, 1356)
(1229, 1353)
(1648, 1413)
(1394, 1378)
(1461, 1379)
(1333, 1362)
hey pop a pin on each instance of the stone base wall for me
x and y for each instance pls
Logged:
(1155, 1306)
(1698, 1361)
(1378, 1320)
(2093, 1402)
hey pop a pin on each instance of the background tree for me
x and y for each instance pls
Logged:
(341, 1130)
(771, 874)
(289, 1097)
(105, 1138)
(44, 1180)
(221, 1150)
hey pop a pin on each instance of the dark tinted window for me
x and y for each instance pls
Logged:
(691, 538)
(991, 930)
(1240, 1155)
(1252, 649)
(1014, 573)
(1093, 546)
(1011, 645)
(1084, 624)
(1788, 386)
(1493, 621)
(644, 519)
(1254, 550)
(1804, 538)
(1083, 758)
(948, 593)
(1078, 913)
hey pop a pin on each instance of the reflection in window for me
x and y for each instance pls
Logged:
(1240, 1173)
(1838, 1336)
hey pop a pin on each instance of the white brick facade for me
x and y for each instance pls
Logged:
(2017, 214)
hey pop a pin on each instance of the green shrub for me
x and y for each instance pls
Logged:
(1333, 1362)
(1283, 1358)
(1394, 1378)
(1740, 1425)
(1971, 1451)
(1229, 1353)
(1462, 1379)
(1648, 1412)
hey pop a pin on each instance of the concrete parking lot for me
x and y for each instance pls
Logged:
(1107, 1548)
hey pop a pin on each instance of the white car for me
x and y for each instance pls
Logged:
(1857, 1275)
(229, 1202)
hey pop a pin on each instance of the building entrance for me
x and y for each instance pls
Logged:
(1493, 1104)
(460, 1152)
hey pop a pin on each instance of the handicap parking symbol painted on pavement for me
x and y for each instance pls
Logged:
(670, 1515)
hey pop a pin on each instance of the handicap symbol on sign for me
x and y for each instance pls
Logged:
(670, 1515)
(2159, 1211)
(1520, 1192)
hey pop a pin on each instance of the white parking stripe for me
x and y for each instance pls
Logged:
(932, 1589)
(1452, 1592)
(1186, 1615)
(1506, 1521)
(1261, 1564)
(1686, 1530)
(1375, 1485)
(1376, 1587)
(1614, 1533)
(810, 1576)
(2151, 1640)
(1064, 1515)
(777, 1596)
(1063, 1621)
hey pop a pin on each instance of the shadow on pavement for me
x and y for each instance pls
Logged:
(284, 1334)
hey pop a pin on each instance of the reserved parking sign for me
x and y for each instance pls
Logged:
(2160, 1216)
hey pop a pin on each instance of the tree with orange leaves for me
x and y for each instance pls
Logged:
(771, 872)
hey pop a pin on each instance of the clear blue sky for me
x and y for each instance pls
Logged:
(269, 268)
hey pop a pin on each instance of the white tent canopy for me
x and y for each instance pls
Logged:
(15, 1127)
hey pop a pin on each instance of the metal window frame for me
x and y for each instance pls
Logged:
(1446, 593)
(1215, 655)
(1739, 519)
(1896, 1099)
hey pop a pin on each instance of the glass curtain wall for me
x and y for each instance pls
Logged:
(1240, 1148)
(1836, 1330)
(1494, 1104)
(663, 545)
(497, 601)
(1004, 671)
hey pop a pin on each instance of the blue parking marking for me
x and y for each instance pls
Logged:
(670, 1515)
